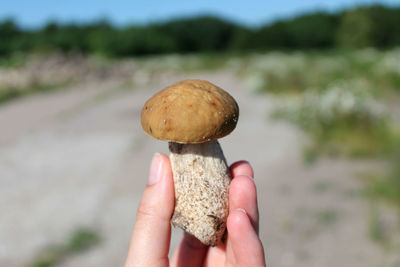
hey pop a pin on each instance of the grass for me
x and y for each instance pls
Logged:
(376, 229)
(79, 241)
(339, 130)
(386, 186)
(297, 72)
(322, 187)
(149, 66)
(14, 61)
(351, 140)
(338, 99)
(381, 189)
(326, 217)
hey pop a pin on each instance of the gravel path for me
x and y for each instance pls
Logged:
(79, 158)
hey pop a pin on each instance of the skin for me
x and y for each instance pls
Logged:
(152, 232)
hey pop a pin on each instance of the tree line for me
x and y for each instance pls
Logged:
(372, 26)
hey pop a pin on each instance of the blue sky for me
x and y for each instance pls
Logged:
(34, 13)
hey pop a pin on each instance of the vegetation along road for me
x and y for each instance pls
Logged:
(74, 161)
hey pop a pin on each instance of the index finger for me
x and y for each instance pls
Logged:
(243, 192)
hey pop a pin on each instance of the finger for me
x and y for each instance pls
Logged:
(191, 252)
(246, 245)
(241, 168)
(152, 231)
(216, 256)
(243, 195)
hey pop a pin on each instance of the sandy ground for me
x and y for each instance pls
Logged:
(79, 157)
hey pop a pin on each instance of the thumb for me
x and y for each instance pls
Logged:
(152, 231)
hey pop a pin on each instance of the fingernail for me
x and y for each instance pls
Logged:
(241, 210)
(251, 178)
(155, 169)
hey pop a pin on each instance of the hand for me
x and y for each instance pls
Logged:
(152, 232)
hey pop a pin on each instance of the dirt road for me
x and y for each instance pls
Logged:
(78, 157)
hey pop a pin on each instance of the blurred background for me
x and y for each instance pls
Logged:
(317, 82)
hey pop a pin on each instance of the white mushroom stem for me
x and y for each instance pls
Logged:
(201, 178)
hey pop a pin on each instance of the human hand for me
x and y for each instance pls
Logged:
(152, 232)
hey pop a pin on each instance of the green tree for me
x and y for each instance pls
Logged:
(273, 36)
(199, 34)
(355, 29)
(385, 26)
(316, 30)
(8, 34)
(142, 41)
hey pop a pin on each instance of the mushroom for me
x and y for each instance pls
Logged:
(191, 115)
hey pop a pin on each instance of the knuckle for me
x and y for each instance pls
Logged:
(148, 212)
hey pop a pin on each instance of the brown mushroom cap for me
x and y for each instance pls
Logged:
(190, 111)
